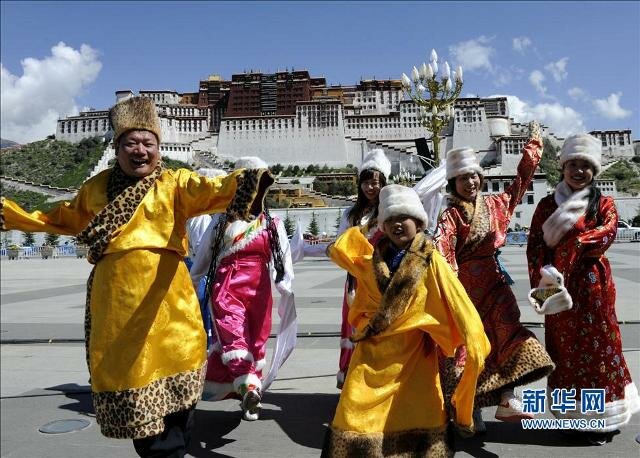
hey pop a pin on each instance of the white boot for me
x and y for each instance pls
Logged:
(251, 405)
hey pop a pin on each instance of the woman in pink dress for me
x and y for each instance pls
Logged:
(571, 230)
(239, 248)
(470, 232)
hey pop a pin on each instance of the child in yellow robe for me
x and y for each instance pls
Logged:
(408, 301)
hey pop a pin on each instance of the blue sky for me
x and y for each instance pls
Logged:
(573, 65)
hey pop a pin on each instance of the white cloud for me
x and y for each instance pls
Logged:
(577, 93)
(561, 120)
(610, 107)
(46, 91)
(536, 78)
(520, 44)
(558, 69)
(473, 54)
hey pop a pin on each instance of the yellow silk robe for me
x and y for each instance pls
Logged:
(146, 326)
(393, 386)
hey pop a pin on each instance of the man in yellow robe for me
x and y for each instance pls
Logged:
(408, 301)
(146, 347)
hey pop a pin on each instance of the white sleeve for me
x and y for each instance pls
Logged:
(297, 244)
(288, 328)
(196, 227)
(202, 259)
(429, 189)
(344, 221)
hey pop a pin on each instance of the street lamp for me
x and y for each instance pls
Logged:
(434, 98)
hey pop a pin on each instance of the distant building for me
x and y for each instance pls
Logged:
(292, 118)
(616, 144)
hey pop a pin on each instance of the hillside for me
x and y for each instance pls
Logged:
(4, 143)
(626, 175)
(52, 162)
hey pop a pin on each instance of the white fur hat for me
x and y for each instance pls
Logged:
(251, 162)
(376, 160)
(585, 147)
(397, 200)
(461, 161)
(210, 173)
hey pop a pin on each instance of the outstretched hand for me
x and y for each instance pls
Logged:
(535, 132)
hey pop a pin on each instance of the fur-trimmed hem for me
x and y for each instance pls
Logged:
(247, 379)
(432, 443)
(137, 413)
(616, 413)
(528, 363)
(241, 354)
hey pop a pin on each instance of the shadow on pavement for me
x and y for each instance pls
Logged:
(302, 417)
(208, 431)
(80, 394)
(512, 433)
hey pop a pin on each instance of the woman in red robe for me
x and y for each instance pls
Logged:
(470, 232)
(572, 229)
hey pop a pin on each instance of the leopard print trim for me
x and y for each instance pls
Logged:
(528, 363)
(252, 184)
(432, 443)
(139, 412)
(124, 194)
(477, 215)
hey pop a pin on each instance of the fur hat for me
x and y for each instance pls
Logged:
(134, 113)
(461, 161)
(376, 160)
(210, 173)
(397, 200)
(251, 162)
(585, 147)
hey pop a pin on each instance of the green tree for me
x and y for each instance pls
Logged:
(52, 239)
(28, 239)
(313, 225)
(549, 162)
(288, 224)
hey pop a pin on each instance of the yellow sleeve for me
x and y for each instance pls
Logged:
(199, 195)
(68, 218)
(352, 252)
(470, 331)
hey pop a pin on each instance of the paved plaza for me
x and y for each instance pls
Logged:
(44, 376)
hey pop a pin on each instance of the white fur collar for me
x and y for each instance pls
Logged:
(233, 230)
(571, 206)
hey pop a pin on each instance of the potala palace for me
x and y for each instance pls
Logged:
(292, 118)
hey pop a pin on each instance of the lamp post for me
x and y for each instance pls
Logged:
(434, 96)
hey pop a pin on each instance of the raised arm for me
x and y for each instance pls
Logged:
(198, 195)
(68, 218)
(531, 155)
